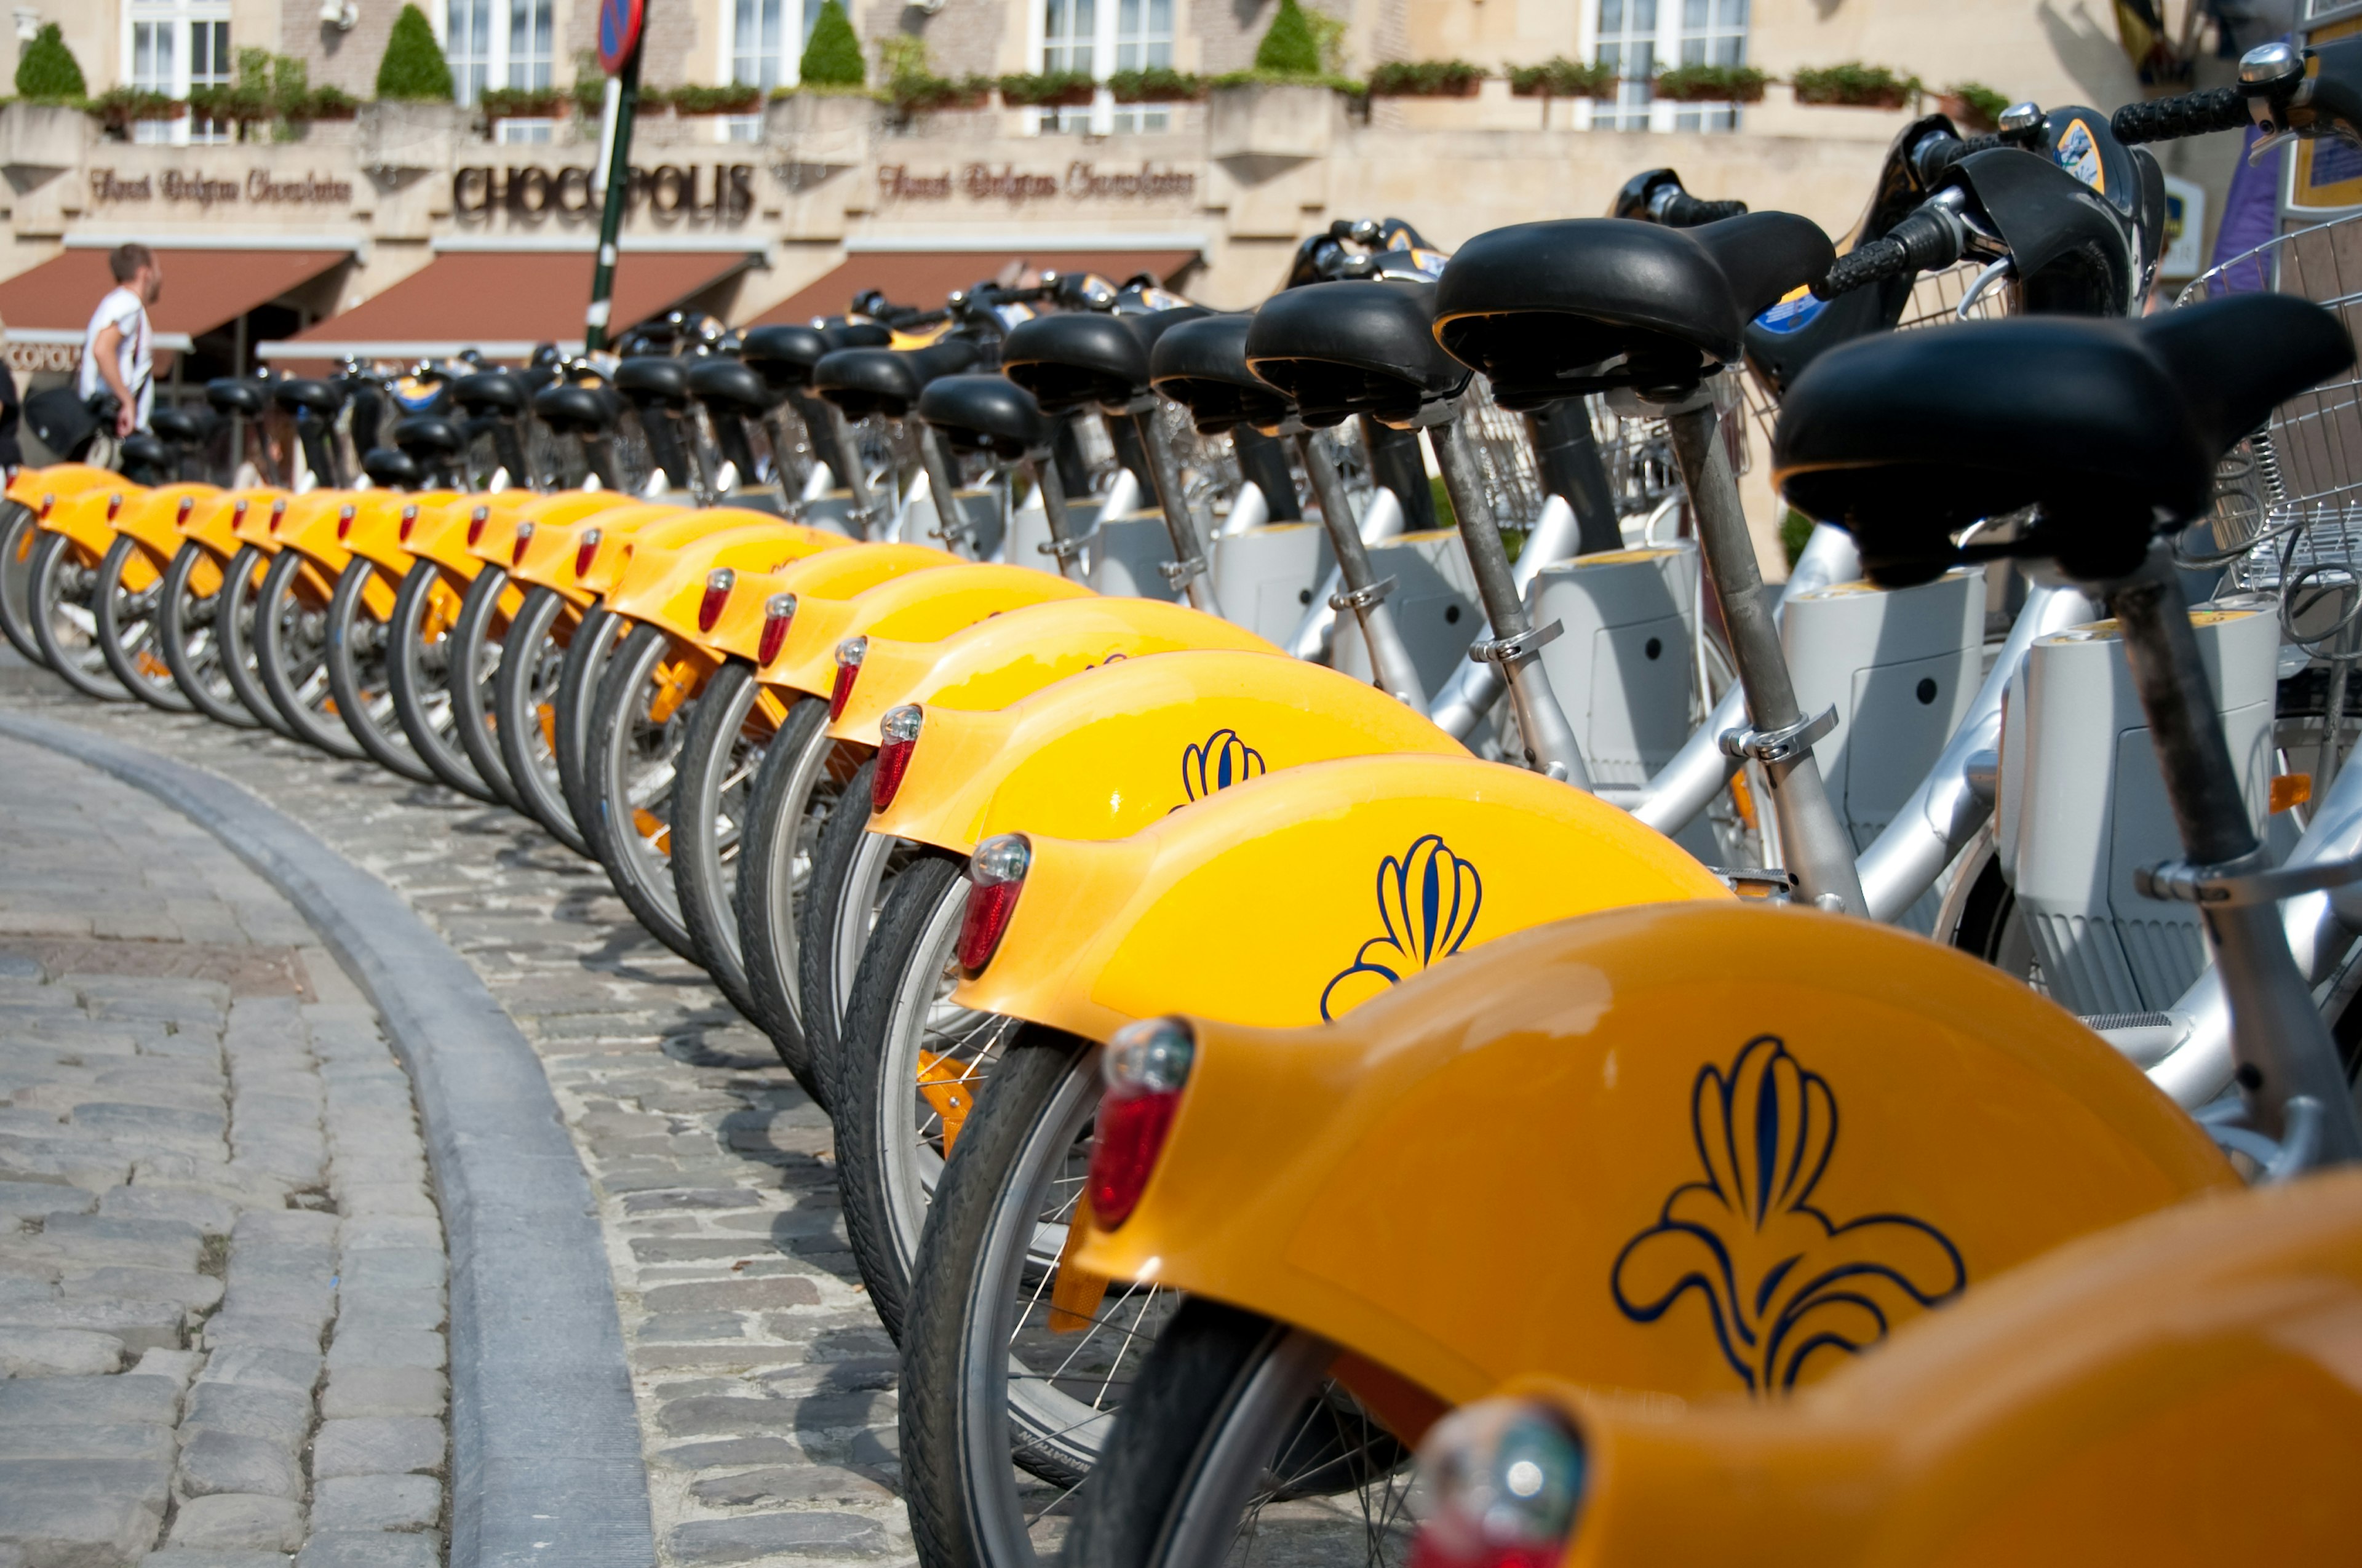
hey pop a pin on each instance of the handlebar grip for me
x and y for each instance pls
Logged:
(1937, 153)
(1930, 237)
(2192, 113)
(1682, 210)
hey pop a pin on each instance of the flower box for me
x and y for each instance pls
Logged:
(1156, 84)
(1562, 78)
(1854, 86)
(1425, 79)
(1049, 90)
(1711, 84)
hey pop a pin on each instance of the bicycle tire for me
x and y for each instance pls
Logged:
(618, 818)
(530, 660)
(78, 663)
(479, 653)
(240, 662)
(294, 673)
(20, 531)
(853, 873)
(593, 643)
(124, 645)
(422, 692)
(357, 642)
(793, 794)
(191, 642)
(718, 758)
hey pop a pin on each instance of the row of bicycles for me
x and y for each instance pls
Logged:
(1489, 1045)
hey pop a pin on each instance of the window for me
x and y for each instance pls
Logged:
(764, 46)
(1635, 35)
(1100, 38)
(175, 46)
(497, 43)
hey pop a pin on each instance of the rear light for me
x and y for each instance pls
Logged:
(898, 733)
(1142, 1073)
(476, 524)
(343, 523)
(849, 654)
(779, 615)
(409, 521)
(1505, 1481)
(236, 512)
(586, 552)
(717, 594)
(524, 537)
(113, 505)
(278, 514)
(188, 504)
(996, 875)
(49, 501)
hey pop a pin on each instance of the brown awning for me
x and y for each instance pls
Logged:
(923, 278)
(505, 302)
(203, 289)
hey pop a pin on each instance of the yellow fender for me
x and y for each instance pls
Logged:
(1008, 656)
(1283, 900)
(211, 524)
(271, 528)
(1113, 750)
(664, 584)
(88, 517)
(920, 607)
(831, 574)
(32, 488)
(669, 529)
(2177, 1391)
(151, 520)
(1722, 1150)
(493, 537)
(379, 519)
(551, 556)
(321, 534)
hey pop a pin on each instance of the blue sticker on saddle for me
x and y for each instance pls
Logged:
(1796, 311)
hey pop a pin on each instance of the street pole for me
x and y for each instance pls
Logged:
(622, 102)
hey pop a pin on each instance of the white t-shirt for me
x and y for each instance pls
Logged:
(121, 309)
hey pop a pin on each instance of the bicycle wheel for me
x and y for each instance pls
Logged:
(637, 726)
(524, 716)
(911, 1066)
(1231, 1449)
(129, 634)
(234, 628)
(418, 673)
(588, 650)
(291, 654)
(724, 746)
(188, 626)
(356, 676)
(19, 532)
(792, 796)
(63, 626)
(853, 871)
(1005, 1370)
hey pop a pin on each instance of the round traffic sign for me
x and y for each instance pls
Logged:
(618, 32)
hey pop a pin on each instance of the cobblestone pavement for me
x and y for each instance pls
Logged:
(221, 1274)
(763, 1382)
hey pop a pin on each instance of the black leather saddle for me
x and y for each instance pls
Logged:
(391, 469)
(180, 427)
(1083, 357)
(782, 356)
(2106, 425)
(856, 334)
(862, 381)
(652, 380)
(1353, 348)
(236, 395)
(428, 435)
(489, 391)
(323, 398)
(571, 410)
(727, 386)
(145, 459)
(985, 414)
(1551, 310)
(1202, 366)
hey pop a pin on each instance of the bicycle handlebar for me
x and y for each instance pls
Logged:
(2190, 114)
(1676, 208)
(1928, 239)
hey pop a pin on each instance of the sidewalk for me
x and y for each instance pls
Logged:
(221, 1273)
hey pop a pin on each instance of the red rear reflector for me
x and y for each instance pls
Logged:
(586, 552)
(409, 521)
(476, 524)
(49, 501)
(113, 505)
(779, 615)
(188, 504)
(236, 512)
(277, 513)
(1145, 1067)
(849, 654)
(524, 537)
(898, 737)
(343, 523)
(717, 595)
(996, 875)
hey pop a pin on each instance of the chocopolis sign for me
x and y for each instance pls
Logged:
(723, 192)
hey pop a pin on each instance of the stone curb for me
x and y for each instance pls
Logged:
(544, 1438)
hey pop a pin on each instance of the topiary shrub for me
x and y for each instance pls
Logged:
(1290, 48)
(832, 58)
(47, 72)
(413, 67)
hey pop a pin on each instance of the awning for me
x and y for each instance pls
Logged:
(203, 289)
(923, 278)
(504, 302)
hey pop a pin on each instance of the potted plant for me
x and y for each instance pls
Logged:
(1973, 105)
(728, 98)
(1711, 84)
(1425, 79)
(524, 102)
(1155, 84)
(1049, 89)
(119, 106)
(1560, 77)
(326, 104)
(1854, 86)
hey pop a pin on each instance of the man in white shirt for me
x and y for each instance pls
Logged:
(116, 350)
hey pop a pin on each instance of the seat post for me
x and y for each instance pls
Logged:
(856, 474)
(1568, 455)
(1390, 660)
(1188, 571)
(2278, 1038)
(775, 431)
(1814, 842)
(942, 483)
(1514, 644)
(1063, 548)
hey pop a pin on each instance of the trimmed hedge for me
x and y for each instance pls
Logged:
(413, 68)
(1289, 48)
(832, 58)
(48, 71)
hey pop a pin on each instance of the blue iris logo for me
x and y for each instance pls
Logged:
(1218, 762)
(1428, 901)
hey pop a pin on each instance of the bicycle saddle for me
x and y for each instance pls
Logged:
(985, 414)
(428, 434)
(392, 469)
(1354, 347)
(489, 391)
(652, 379)
(1551, 310)
(1907, 438)
(727, 386)
(235, 395)
(571, 410)
(177, 425)
(142, 455)
(323, 398)
(1202, 366)
(855, 334)
(862, 381)
(782, 356)
(1079, 358)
